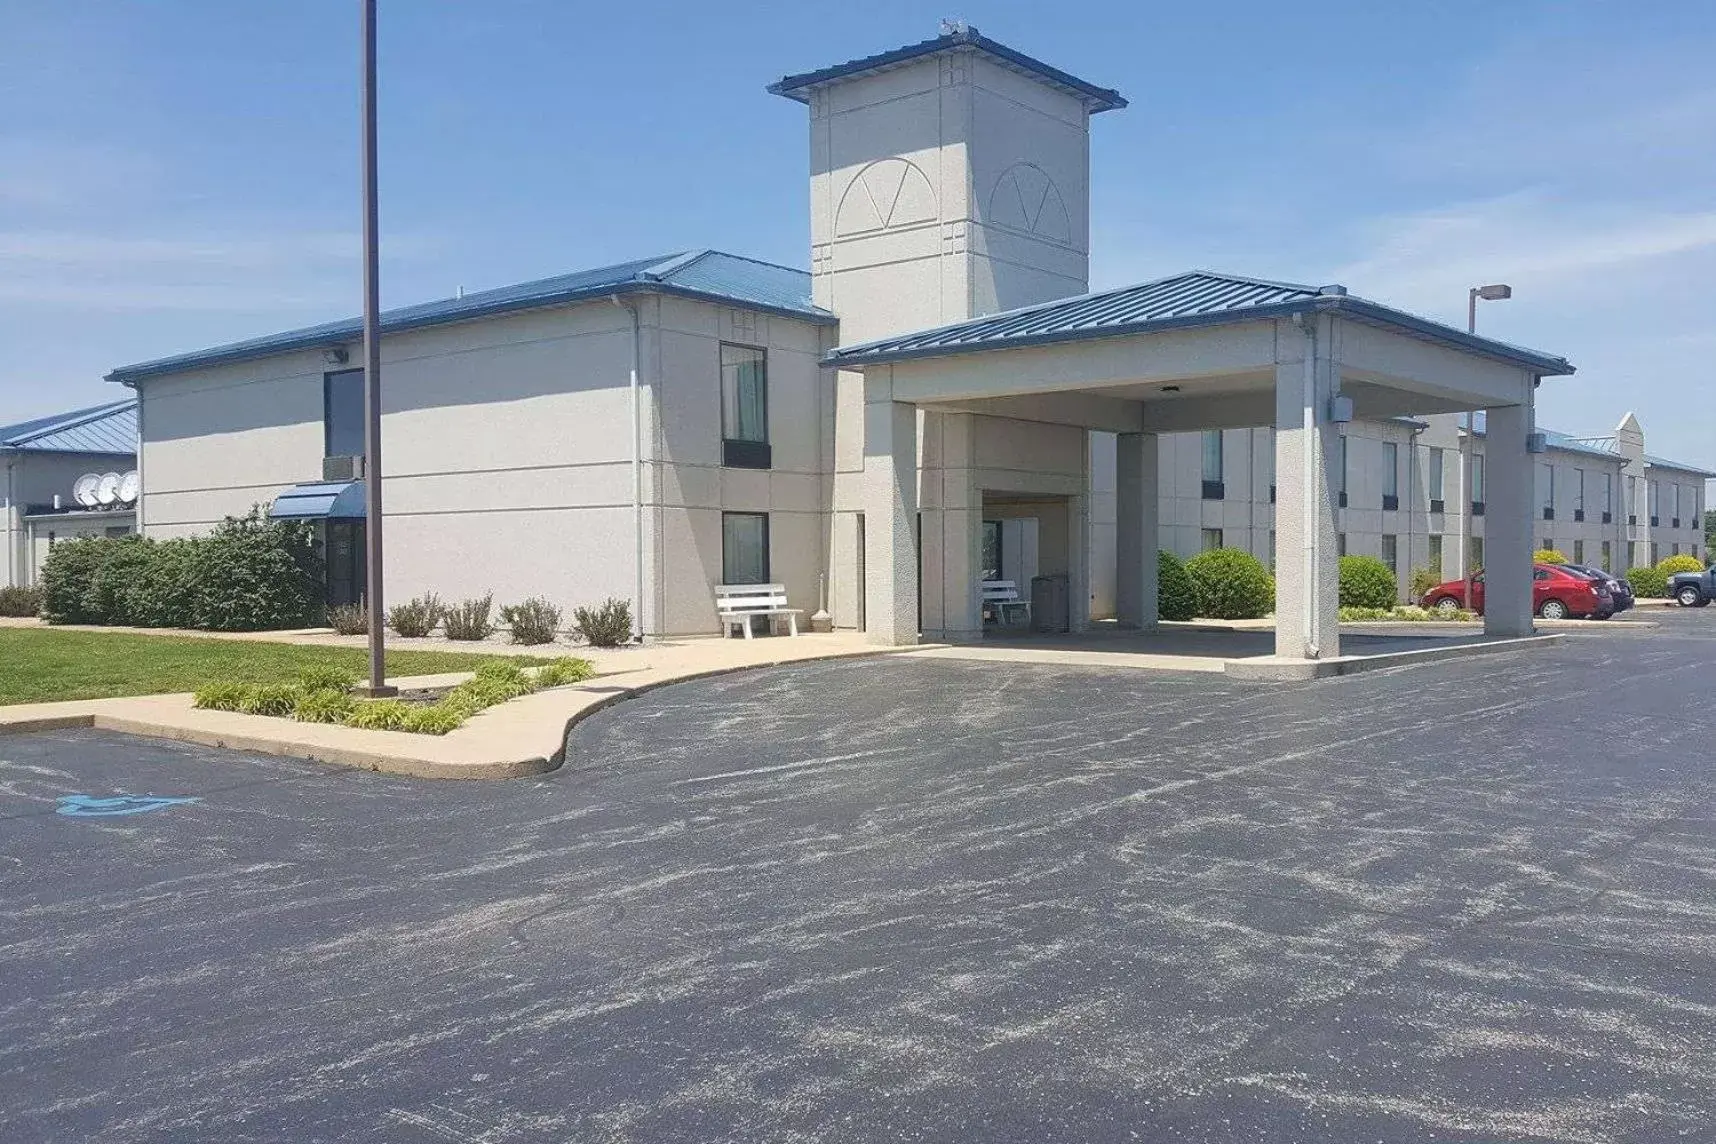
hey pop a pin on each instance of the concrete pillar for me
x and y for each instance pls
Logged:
(1136, 501)
(1508, 539)
(951, 509)
(1307, 453)
(890, 515)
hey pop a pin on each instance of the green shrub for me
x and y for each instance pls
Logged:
(1176, 598)
(502, 669)
(323, 706)
(1648, 583)
(325, 677)
(1231, 584)
(220, 696)
(1668, 566)
(253, 574)
(20, 601)
(608, 624)
(110, 586)
(1351, 614)
(163, 594)
(415, 619)
(349, 619)
(1424, 579)
(533, 622)
(273, 699)
(470, 620)
(1367, 582)
(68, 575)
(560, 672)
(379, 715)
(437, 720)
(1549, 556)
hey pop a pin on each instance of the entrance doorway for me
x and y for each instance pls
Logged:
(346, 551)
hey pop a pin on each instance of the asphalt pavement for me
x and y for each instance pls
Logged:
(902, 900)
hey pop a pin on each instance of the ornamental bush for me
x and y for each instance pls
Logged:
(608, 624)
(1231, 584)
(415, 619)
(349, 619)
(380, 715)
(1176, 599)
(1549, 556)
(1648, 583)
(323, 706)
(1367, 582)
(470, 620)
(20, 601)
(68, 575)
(1682, 563)
(533, 622)
(1424, 579)
(163, 593)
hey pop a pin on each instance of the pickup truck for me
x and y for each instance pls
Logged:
(1693, 589)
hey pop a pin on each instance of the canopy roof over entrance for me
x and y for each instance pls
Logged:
(320, 500)
(1193, 299)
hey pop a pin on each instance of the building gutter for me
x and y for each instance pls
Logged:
(11, 515)
(637, 463)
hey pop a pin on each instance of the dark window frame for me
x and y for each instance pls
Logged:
(768, 554)
(743, 452)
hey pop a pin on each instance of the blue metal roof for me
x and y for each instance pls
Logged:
(1679, 466)
(1567, 443)
(110, 428)
(1196, 298)
(962, 38)
(710, 275)
(320, 500)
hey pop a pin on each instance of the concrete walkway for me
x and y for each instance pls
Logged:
(521, 737)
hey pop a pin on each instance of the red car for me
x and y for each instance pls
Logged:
(1556, 594)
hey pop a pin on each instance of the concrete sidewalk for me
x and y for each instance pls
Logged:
(521, 737)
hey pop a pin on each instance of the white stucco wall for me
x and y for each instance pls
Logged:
(30, 478)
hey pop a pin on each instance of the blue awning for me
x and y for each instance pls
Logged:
(320, 500)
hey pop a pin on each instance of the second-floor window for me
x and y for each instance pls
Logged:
(1546, 488)
(1213, 489)
(342, 413)
(1437, 463)
(1579, 490)
(1608, 493)
(744, 407)
(1477, 478)
(1390, 475)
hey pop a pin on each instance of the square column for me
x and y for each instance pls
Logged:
(1307, 452)
(1508, 541)
(951, 508)
(891, 515)
(1136, 506)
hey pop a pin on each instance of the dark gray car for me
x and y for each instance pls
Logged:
(1620, 591)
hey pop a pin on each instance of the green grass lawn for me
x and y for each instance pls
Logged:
(42, 665)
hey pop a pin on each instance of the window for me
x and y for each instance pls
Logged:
(1438, 464)
(342, 413)
(1272, 550)
(1632, 554)
(117, 530)
(992, 550)
(1632, 504)
(744, 548)
(1214, 489)
(1605, 554)
(1211, 539)
(1655, 553)
(744, 408)
(1477, 484)
(1578, 494)
(1674, 513)
(1654, 490)
(1435, 559)
(1390, 475)
(1477, 561)
(1391, 552)
(1578, 552)
(1271, 468)
(1546, 542)
(1340, 544)
(1546, 488)
(1608, 497)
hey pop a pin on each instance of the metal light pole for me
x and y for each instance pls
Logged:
(372, 372)
(1495, 292)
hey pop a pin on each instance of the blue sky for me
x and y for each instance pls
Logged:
(184, 172)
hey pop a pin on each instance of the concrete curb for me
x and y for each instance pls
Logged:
(1273, 670)
(541, 719)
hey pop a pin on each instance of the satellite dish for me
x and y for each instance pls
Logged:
(83, 491)
(129, 486)
(107, 489)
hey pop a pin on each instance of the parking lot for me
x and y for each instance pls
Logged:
(903, 900)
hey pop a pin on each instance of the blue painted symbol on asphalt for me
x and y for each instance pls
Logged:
(88, 806)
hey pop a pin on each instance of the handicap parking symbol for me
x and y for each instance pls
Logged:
(89, 806)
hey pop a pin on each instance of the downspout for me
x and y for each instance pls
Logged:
(11, 515)
(637, 465)
(1308, 326)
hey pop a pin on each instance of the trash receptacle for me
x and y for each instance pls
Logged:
(1050, 599)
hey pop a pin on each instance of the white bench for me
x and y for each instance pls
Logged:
(1001, 595)
(735, 604)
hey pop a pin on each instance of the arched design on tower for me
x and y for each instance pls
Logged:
(1026, 199)
(886, 194)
